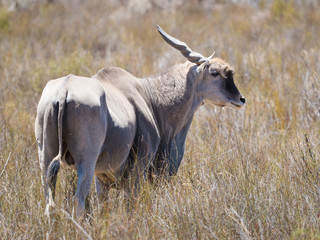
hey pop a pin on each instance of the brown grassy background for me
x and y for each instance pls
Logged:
(250, 174)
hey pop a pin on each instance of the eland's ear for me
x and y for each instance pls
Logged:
(183, 48)
(201, 69)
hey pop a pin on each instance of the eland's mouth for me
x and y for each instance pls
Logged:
(237, 103)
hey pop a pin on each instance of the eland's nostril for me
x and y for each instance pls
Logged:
(242, 99)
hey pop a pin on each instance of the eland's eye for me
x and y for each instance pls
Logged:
(215, 73)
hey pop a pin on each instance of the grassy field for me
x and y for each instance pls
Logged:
(248, 174)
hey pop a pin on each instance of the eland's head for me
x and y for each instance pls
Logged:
(215, 76)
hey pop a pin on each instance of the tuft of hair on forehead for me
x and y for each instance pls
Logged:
(222, 67)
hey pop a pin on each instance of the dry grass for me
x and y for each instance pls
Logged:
(251, 174)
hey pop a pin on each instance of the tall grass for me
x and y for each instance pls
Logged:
(250, 174)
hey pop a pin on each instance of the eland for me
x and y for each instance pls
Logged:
(114, 125)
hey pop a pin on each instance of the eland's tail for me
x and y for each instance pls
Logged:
(54, 166)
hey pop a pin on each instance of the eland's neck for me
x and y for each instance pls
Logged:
(174, 98)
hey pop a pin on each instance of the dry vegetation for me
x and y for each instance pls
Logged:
(251, 174)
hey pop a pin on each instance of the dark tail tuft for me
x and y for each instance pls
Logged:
(53, 170)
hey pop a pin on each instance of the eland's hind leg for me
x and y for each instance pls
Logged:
(84, 140)
(102, 189)
(85, 172)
